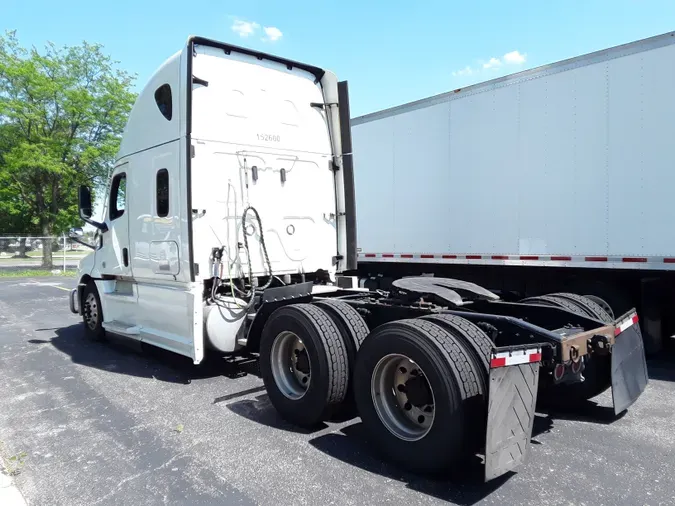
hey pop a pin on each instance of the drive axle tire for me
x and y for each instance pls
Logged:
(549, 300)
(475, 342)
(593, 309)
(92, 313)
(348, 321)
(303, 363)
(353, 330)
(414, 383)
(603, 304)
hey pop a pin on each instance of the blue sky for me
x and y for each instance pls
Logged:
(390, 52)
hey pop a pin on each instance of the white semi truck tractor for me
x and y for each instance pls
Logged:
(229, 220)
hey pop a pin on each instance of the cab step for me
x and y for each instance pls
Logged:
(122, 328)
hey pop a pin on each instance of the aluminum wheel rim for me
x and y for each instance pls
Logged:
(287, 362)
(401, 417)
(91, 311)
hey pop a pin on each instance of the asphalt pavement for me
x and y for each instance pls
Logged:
(111, 423)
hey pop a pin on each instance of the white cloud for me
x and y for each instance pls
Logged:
(515, 58)
(466, 71)
(492, 63)
(244, 28)
(272, 33)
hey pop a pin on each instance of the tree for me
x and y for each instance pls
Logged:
(62, 113)
(14, 216)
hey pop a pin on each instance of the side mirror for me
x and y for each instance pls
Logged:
(84, 197)
(76, 234)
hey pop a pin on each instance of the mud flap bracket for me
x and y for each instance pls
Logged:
(514, 379)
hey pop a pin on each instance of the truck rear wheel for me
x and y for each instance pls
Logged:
(353, 330)
(304, 364)
(593, 309)
(602, 303)
(476, 343)
(349, 322)
(550, 300)
(414, 382)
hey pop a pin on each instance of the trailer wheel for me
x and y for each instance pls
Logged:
(353, 330)
(593, 309)
(414, 383)
(92, 313)
(303, 363)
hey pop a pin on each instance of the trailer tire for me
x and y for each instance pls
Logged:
(307, 333)
(593, 309)
(92, 313)
(353, 330)
(452, 385)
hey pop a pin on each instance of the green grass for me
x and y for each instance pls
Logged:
(33, 273)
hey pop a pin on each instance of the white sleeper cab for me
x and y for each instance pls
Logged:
(218, 145)
(230, 226)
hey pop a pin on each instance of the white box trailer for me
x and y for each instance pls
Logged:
(561, 173)
(229, 221)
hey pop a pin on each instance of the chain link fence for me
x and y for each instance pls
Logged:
(30, 253)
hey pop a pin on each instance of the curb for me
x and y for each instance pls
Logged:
(9, 494)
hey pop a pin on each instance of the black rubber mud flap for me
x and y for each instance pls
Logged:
(629, 366)
(514, 378)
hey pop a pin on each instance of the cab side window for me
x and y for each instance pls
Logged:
(118, 196)
(164, 101)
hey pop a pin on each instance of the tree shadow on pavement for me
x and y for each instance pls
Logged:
(127, 356)
(351, 446)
